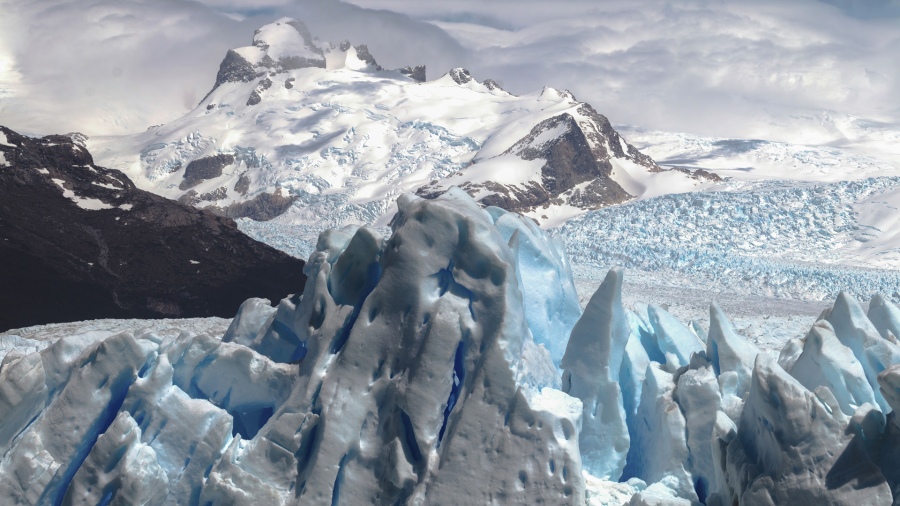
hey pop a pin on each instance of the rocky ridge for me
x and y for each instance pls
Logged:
(82, 242)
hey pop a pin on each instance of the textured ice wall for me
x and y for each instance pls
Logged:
(405, 374)
(719, 423)
(591, 369)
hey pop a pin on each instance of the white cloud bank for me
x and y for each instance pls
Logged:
(801, 71)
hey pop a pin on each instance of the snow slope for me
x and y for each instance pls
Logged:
(326, 136)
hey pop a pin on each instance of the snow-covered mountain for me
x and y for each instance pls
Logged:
(319, 133)
(414, 369)
(82, 242)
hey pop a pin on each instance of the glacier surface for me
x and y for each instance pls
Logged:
(418, 367)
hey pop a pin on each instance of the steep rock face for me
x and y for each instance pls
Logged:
(81, 242)
(578, 152)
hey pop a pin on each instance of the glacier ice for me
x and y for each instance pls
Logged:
(853, 328)
(728, 351)
(825, 361)
(659, 447)
(421, 365)
(676, 342)
(551, 303)
(397, 376)
(885, 316)
(792, 449)
(591, 367)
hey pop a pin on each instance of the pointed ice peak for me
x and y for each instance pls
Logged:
(885, 316)
(555, 94)
(826, 362)
(729, 351)
(790, 435)
(778, 400)
(855, 331)
(599, 338)
(591, 367)
(847, 314)
(676, 342)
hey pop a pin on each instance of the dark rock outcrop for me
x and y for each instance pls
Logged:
(577, 150)
(362, 52)
(491, 84)
(460, 76)
(699, 174)
(417, 72)
(204, 168)
(234, 69)
(262, 207)
(82, 242)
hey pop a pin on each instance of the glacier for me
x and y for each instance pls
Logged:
(446, 360)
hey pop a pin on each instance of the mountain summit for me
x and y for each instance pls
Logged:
(320, 134)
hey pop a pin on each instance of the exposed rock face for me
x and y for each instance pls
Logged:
(699, 174)
(238, 69)
(81, 242)
(362, 52)
(204, 168)
(578, 149)
(460, 76)
(262, 207)
(491, 84)
(234, 69)
(417, 72)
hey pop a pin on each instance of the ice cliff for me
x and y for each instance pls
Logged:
(405, 374)
(447, 362)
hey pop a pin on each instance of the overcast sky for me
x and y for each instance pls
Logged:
(798, 70)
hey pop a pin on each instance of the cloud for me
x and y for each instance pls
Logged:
(764, 68)
(779, 70)
(111, 67)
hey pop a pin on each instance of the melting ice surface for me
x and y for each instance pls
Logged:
(447, 361)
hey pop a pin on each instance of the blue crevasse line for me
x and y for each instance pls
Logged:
(286, 333)
(339, 480)
(410, 434)
(714, 356)
(459, 376)
(118, 391)
(107, 498)
(448, 283)
(373, 275)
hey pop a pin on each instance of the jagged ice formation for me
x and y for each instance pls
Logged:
(421, 368)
